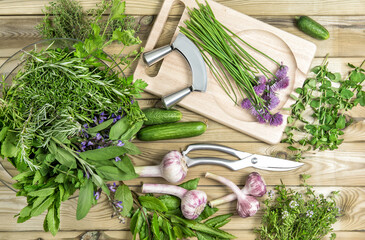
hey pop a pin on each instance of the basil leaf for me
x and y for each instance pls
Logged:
(119, 128)
(109, 173)
(43, 206)
(100, 126)
(124, 194)
(155, 226)
(191, 184)
(207, 212)
(152, 203)
(42, 192)
(132, 131)
(85, 200)
(65, 158)
(103, 153)
(171, 202)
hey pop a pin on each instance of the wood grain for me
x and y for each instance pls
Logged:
(250, 7)
(351, 201)
(347, 33)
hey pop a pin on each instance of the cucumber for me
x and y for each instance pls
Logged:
(171, 131)
(159, 115)
(312, 28)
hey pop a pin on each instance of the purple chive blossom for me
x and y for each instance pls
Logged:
(273, 102)
(117, 159)
(112, 187)
(283, 83)
(262, 80)
(260, 119)
(276, 119)
(259, 89)
(120, 143)
(282, 72)
(246, 103)
(98, 136)
(97, 195)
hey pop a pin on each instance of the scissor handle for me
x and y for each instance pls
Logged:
(211, 161)
(215, 147)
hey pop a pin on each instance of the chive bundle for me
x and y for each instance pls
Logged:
(229, 58)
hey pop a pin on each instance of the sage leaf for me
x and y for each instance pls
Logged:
(109, 173)
(124, 194)
(65, 158)
(103, 153)
(52, 220)
(132, 131)
(100, 126)
(152, 203)
(125, 165)
(191, 184)
(155, 226)
(42, 192)
(43, 206)
(120, 127)
(131, 148)
(85, 200)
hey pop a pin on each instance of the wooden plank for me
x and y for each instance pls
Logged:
(251, 7)
(347, 33)
(126, 235)
(351, 201)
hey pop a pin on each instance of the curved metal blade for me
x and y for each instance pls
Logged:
(272, 163)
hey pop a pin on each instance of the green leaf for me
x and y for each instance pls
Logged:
(103, 153)
(119, 128)
(337, 77)
(60, 178)
(186, 231)
(124, 194)
(86, 197)
(191, 184)
(65, 158)
(356, 77)
(291, 148)
(42, 192)
(22, 176)
(3, 133)
(155, 226)
(126, 165)
(315, 103)
(221, 224)
(52, 220)
(294, 97)
(8, 148)
(43, 206)
(117, 10)
(132, 131)
(215, 220)
(207, 212)
(204, 236)
(100, 126)
(178, 232)
(25, 211)
(133, 222)
(52, 147)
(347, 94)
(171, 202)
(341, 122)
(166, 227)
(110, 173)
(131, 148)
(152, 203)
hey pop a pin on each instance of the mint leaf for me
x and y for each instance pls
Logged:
(191, 184)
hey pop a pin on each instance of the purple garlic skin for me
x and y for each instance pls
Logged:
(255, 185)
(247, 206)
(193, 203)
(173, 167)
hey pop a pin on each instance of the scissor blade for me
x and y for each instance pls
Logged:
(272, 163)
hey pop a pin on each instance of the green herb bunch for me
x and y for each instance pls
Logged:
(67, 119)
(294, 215)
(329, 98)
(161, 217)
(67, 19)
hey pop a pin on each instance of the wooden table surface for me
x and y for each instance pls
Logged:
(342, 169)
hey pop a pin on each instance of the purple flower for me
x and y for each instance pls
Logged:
(283, 83)
(97, 195)
(98, 147)
(273, 102)
(95, 120)
(119, 117)
(260, 119)
(101, 120)
(102, 113)
(262, 80)
(112, 187)
(132, 101)
(276, 119)
(98, 136)
(246, 103)
(85, 125)
(83, 143)
(90, 143)
(117, 159)
(282, 72)
(119, 204)
(87, 174)
(259, 89)
(120, 143)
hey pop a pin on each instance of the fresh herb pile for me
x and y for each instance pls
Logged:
(328, 98)
(67, 120)
(67, 19)
(293, 215)
(232, 63)
(161, 217)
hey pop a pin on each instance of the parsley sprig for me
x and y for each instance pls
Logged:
(318, 117)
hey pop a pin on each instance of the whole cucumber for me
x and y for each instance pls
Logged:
(159, 115)
(312, 28)
(171, 131)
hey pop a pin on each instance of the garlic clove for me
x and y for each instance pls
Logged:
(255, 185)
(173, 167)
(248, 206)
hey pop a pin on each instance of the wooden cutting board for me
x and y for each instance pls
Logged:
(175, 74)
